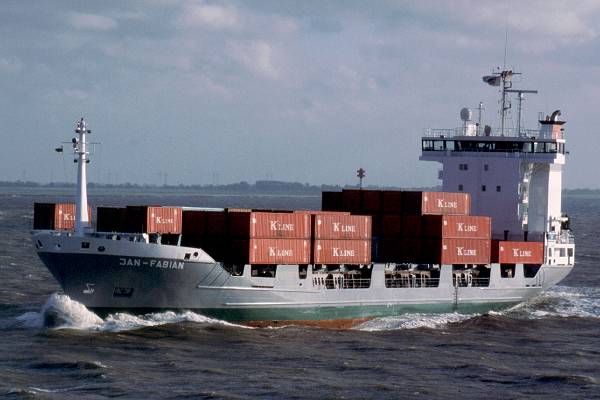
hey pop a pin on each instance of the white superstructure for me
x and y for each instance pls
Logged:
(513, 175)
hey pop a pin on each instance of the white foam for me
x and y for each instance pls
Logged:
(61, 312)
(560, 301)
(414, 321)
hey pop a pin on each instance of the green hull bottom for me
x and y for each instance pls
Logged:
(327, 316)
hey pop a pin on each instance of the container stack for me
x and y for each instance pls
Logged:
(419, 227)
(246, 237)
(55, 216)
(269, 238)
(139, 219)
(341, 238)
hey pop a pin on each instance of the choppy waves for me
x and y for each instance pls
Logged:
(60, 312)
(561, 301)
(558, 302)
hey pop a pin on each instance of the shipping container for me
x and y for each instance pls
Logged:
(193, 222)
(392, 202)
(327, 251)
(55, 216)
(149, 219)
(269, 225)
(421, 203)
(392, 226)
(520, 253)
(456, 226)
(371, 202)
(216, 247)
(411, 226)
(351, 200)
(398, 250)
(269, 251)
(216, 223)
(316, 212)
(110, 219)
(456, 251)
(377, 225)
(331, 201)
(341, 226)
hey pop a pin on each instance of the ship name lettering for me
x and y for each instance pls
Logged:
(466, 228)
(279, 226)
(275, 252)
(337, 252)
(521, 253)
(167, 264)
(461, 251)
(447, 204)
(338, 227)
(129, 262)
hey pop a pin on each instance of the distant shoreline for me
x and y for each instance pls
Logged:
(241, 188)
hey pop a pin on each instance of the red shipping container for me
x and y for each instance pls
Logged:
(111, 219)
(317, 212)
(520, 252)
(456, 251)
(376, 225)
(392, 201)
(331, 201)
(193, 222)
(436, 203)
(371, 201)
(341, 251)
(387, 250)
(351, 200)
(411, 250)
(392, 226)
(149, 219)
(59, 216)
(398, 250)
(216, 223)
(341, 226)
(164, 220)
(456, 226)
(276, 251)
(411, 226)
(269, 225)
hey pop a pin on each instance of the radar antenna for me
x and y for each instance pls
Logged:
(503, 78)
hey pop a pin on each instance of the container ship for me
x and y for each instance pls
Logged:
(493, 237)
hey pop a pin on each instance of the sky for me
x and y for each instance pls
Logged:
(203, 92)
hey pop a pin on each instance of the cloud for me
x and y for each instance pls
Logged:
(208, 16)
(257, 56)
(91, 22)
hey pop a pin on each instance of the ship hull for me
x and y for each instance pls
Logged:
(142, 277)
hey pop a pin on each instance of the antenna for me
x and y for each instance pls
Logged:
(505, 47)
(361, 173)
(520, 96)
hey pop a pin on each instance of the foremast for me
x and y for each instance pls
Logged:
(80, 148)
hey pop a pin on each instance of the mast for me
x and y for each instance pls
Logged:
(80, 149)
